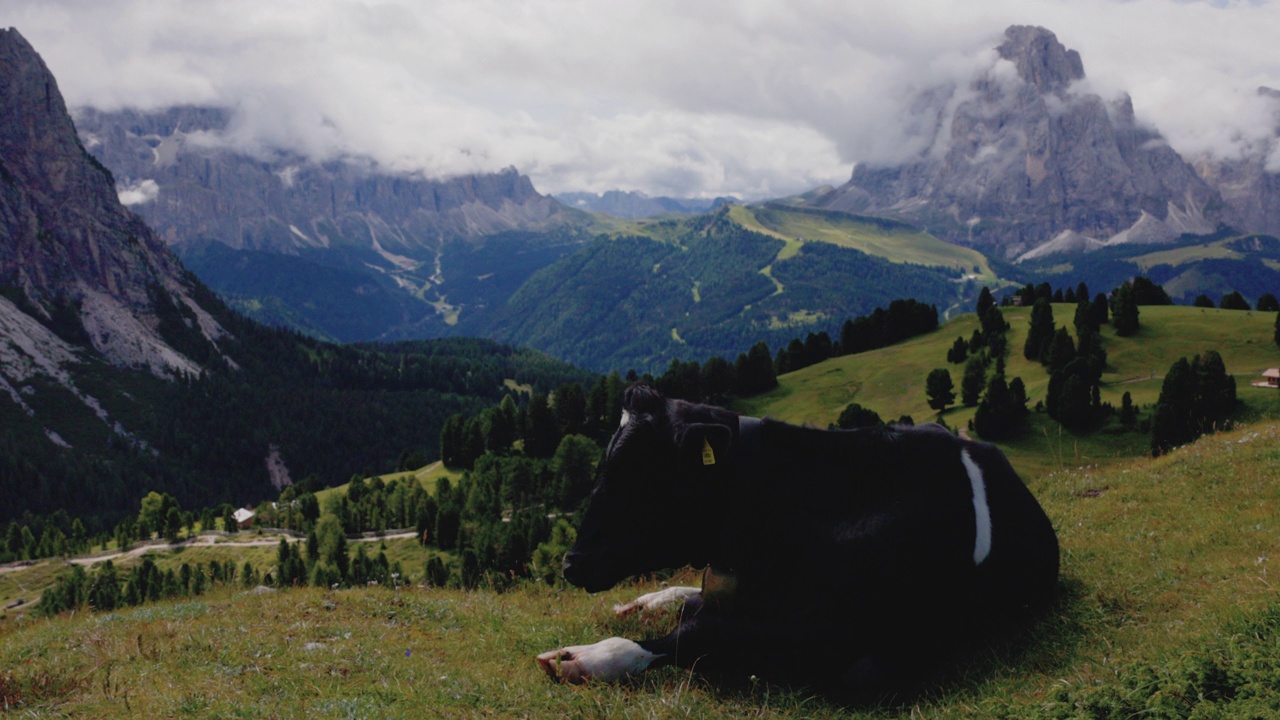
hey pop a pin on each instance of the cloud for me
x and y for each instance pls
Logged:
(138, 193)
(748, 97)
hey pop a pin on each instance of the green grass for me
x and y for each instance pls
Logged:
(898, 245)
(427, 476)
(1182, 256)
(1161, 559)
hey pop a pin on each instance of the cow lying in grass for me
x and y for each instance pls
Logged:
(838, 558)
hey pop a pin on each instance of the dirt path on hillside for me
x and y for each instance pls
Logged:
(201, 541)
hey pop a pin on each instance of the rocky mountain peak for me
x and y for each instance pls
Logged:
(1041, 60)
(66, 242)
(1018, 163)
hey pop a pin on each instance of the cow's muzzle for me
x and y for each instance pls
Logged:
(578, 571)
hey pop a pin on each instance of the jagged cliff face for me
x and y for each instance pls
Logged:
(192, 188)
(1020, 158)
(68, 245)
(1250, 183)
(339, 250)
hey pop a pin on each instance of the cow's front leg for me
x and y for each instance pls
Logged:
(661, 598)
(609, 660)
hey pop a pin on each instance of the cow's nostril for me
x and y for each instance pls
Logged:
(571, 559)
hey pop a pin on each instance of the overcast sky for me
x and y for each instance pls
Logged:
(752, 98)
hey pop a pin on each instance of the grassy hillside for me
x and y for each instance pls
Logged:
(1165, 567)
(892, 241)
(426, 476)
(891, 380)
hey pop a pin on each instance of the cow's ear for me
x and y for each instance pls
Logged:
(640, 399)
(705, 444)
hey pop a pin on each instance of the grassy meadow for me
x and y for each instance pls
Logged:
(1162, 560)
(891, 380)
(896, 245)
(1166, 592)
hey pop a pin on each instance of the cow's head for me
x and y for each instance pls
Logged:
(660, 491)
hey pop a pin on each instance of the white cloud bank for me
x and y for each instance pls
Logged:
(749, 97)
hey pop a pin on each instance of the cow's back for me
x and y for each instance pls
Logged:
(895, 510)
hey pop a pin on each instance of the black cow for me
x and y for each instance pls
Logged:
(841, 558)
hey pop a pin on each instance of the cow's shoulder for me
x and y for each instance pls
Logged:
(923, 428)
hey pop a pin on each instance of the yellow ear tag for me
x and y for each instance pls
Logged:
(708, 456)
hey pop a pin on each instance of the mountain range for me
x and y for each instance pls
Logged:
(340, 250)
(122, 373)
(1025, 163)
(636, 205)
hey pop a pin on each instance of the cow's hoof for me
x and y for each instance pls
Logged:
(608, 660)
(561, 666)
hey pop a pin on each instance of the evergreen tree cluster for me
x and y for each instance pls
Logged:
(1197, 397)
(881, 328)
(1001, 404)
(1075, 370)
(31, 537)
(105, 589)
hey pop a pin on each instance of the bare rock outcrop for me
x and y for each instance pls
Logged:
(67, 246)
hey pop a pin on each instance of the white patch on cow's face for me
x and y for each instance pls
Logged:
(608, 660)
(626, 418)
(981, 512)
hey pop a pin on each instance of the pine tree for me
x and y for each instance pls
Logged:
(1018, 396)
(971, 384)
(754, 371)
(571, 409)
(998, 416)
(1128, 415)
(1100, 310)
(939, 389)
(1124, 311)
(501, 430)
(856, 416)
(1040, 332)
(1075, 404)
(1234, 301)
(542, 431)
(1060, 352)
(985, 301)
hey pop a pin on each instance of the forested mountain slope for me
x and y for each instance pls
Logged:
(121, 373)
(707, 286)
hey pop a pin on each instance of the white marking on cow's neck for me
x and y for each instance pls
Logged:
(626, 418)
(981, 512)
